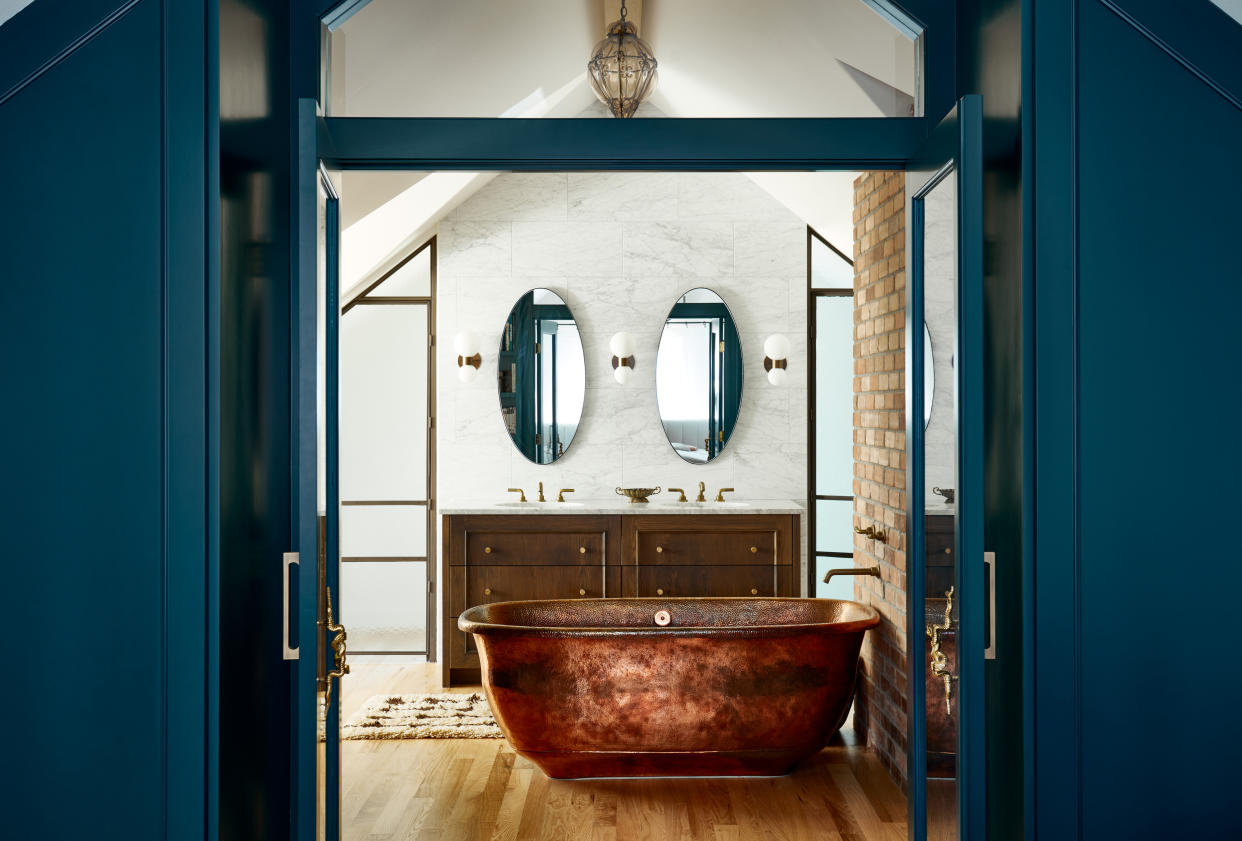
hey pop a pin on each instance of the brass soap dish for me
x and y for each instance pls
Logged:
(637, 494)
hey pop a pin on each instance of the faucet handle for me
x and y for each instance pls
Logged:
(681, 491)
(518, 491)
(560, 497)
(720, 494)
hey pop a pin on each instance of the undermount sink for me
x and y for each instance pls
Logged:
(726, 504)
(539, 505)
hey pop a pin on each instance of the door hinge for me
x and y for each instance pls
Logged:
(537, 348)
(722, 345)
(430, 422)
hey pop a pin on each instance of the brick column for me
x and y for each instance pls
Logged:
(880, 456)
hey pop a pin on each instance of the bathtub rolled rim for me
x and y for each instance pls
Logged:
(474, 626)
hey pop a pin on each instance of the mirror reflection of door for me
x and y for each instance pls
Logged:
(699, 376)
(541, 376)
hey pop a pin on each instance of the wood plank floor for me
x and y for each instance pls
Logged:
(479, 790)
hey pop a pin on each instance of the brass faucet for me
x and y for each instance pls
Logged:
(560, 497)
(518, 491)
(541, 499)
(872, 571)
(701, 498)
(720, 494)
(682, 498)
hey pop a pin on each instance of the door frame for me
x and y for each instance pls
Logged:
(464, 144)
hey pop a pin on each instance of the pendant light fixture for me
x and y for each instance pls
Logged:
(622, 69)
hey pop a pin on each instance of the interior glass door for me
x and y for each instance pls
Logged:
(945, 497)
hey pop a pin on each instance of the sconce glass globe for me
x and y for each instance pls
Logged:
(622, 345)
(622, 373)
(776, 347)
(466, 343)
(777, 376)
(467, 373)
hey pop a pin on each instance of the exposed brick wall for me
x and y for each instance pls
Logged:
(880, 456)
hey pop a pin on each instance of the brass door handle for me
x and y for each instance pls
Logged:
(340, 667)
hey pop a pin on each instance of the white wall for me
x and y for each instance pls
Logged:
(620, 248)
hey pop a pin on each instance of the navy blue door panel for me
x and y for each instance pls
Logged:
(1159, 296)
(1137, 128)
(103, 331)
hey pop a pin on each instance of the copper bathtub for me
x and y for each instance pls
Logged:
(724, 687)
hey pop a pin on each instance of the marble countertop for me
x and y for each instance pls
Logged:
(622, 506)
(940, 508)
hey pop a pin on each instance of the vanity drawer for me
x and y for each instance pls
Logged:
(485, 584)
(711, 548)
(496, 547)
(702, 580)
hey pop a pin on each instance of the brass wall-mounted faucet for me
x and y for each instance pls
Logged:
(682, 498)
(541, 499)
(701, 498)
(720, 494)
(872, 571)
(560, 497)
(873, 531)
(517, 491)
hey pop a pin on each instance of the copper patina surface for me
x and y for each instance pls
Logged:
(728, 687)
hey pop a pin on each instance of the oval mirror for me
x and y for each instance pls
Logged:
(541, 376)
(929, 377)
(699, 376)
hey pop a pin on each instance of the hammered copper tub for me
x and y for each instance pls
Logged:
(727, 687)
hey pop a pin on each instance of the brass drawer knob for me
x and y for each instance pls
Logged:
(581, 592)
(659, 549)
(754, 549)
(948, 550)
(487, 550)
(754, 591)
(659, 592)
(581, 550)
(487, 591)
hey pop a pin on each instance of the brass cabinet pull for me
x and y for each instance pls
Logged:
(581, 592)
(754, 591)
(487, 591)
(659, 592)
(659, 549)
(487, 550)
(754, 549)
(581, 550)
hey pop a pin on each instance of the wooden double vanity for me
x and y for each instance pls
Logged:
(552, 551)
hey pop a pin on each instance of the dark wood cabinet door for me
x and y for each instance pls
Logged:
(701, 580)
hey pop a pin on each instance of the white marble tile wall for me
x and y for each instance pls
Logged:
(620, 248)
(940, 315)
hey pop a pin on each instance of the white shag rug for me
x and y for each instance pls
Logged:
(430, 716)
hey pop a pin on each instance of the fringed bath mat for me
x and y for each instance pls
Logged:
(432, 716)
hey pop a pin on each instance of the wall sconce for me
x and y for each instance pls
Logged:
(468, 359)
(776, 358)
(622, 347)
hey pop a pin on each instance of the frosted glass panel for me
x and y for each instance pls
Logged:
(384, 605)
(383, 531)
(384, 403)
(834, 525)
(834, 396)
(411, 280)
(829, 270)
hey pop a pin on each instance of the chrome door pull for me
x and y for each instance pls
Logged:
(989, 561)
(290, 558)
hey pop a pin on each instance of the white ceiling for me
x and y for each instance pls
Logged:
(8, 8)
(717, 58)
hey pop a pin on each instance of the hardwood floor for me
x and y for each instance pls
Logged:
(479, 790)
